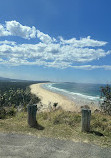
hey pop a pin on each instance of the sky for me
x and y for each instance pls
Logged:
(56, 40)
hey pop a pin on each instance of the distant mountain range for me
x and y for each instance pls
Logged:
(18, 80)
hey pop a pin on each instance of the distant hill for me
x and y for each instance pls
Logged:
(3, 79)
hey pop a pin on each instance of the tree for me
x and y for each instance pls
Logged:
(106, 99)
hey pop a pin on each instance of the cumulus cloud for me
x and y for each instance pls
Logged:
(83, 42)
(3, 31)
(14, 28)
(7, 42)
(49, 55)
(49, 52)
(45, 38)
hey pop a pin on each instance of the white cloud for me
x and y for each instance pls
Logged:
(7, 42)
(45, 38)
(14, 28)
(49, 52)
(49, 55)
(83, 42)
(3, 31)
(91, 67)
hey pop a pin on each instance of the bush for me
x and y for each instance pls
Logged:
(106, 96)
(55, 105)
(10, 111)
(17, 97)
(2, 113)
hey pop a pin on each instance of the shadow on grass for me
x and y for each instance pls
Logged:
(97, 133)
(38, 127)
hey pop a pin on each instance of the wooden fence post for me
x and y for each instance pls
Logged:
(86, 116)
(32, 109)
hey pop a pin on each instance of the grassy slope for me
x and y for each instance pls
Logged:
(62, 125)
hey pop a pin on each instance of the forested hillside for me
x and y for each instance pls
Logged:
(14, 94)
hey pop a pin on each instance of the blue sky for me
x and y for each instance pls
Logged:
(56, 40)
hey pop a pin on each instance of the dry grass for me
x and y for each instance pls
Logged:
(62, 125)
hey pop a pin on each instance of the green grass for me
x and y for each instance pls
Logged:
(62, 125)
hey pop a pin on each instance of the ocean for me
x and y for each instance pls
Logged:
(82, 93)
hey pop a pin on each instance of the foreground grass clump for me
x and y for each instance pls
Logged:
(7, 111)
(101, 123)
(62, 125)
(62, 117)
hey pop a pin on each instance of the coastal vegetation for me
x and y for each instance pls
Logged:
(106, 103)
(13, 95)
(56, 123)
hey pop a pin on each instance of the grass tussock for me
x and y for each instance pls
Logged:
(7, 112)
(61, 117)
(62, 125)
(101, 123)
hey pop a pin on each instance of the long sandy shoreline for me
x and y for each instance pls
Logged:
(48, 98)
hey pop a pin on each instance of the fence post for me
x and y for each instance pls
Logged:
(86, 116)
(32, 109)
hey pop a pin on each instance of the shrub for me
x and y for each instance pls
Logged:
(17, 97)
(2, 113)
(10, 111)
(106, 96)
(55, 105)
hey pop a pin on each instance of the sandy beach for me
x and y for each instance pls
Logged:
(48, 98)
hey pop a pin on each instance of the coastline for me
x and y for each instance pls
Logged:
(48, 98)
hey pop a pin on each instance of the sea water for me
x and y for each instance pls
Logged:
(82, 93)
